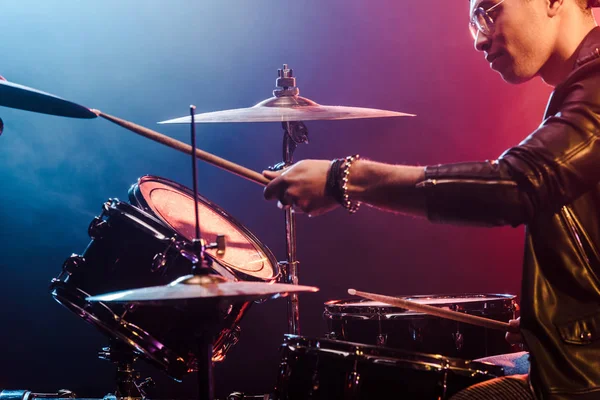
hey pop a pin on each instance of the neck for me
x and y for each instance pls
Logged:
(562, 60)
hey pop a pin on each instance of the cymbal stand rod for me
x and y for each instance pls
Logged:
(198, 244)
(295, 133)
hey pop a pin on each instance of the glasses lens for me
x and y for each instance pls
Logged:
(473, 29)
(480, 22)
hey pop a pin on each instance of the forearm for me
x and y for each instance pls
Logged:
(388, 187)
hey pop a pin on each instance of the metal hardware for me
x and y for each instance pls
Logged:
(72, 263)
(128, 385)
(220, 245)
(231, 338)
(97, 228)
(459, 340)
(286, 83)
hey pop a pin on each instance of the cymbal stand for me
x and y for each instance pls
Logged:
(205, 335)
(127, 378)
(295, 133)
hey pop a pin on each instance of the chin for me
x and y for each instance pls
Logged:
(515, 77)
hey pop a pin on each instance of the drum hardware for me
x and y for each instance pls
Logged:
(322, 369)
(382, 324)
(458, 339)
(122, 258)
(381, 339)
(25, 98)
(128, 383)
(1, 126)
(201, 295)
(438, 312)
(27, 395)
(242, 396)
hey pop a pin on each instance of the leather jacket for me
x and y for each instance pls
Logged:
(550, 182)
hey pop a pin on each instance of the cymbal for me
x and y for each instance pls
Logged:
(25, 98)
(286, 109)
(192, 287)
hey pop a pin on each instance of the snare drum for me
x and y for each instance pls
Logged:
(331, 369)
(149, 245)
(371, 322)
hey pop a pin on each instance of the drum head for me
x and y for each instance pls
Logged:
(172, 203)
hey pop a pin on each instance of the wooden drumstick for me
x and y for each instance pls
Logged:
(186, 148)
(436, 311)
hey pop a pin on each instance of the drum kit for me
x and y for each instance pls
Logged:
(168, 277)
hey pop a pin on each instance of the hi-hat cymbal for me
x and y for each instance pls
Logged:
(285, 109)
(192, 287)
(25, 98)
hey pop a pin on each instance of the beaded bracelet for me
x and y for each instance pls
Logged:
(351, 206)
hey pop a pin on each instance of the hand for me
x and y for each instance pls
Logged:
(301, 185)
(511, 337)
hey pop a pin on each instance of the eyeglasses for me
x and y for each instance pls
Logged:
(481, 21)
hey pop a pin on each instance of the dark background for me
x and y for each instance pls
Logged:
(146, 62)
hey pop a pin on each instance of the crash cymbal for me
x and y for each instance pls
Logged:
(285, 109)
(192, 287)
(286, 105)
(25, 98)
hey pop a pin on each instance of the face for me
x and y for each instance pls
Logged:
(522, 39)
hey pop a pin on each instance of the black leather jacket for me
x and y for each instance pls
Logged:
(551, 183)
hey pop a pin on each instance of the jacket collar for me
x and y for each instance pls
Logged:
(589, 49)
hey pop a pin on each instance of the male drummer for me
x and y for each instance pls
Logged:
(549, 182)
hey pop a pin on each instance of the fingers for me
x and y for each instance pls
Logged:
(271, 174)
(275, 188)
(513, 336)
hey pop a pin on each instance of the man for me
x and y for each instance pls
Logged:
(549, 183)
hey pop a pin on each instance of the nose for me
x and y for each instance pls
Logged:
(482, 42)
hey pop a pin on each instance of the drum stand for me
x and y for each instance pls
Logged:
(128, 386)
(295, 133)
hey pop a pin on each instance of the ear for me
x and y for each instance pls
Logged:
(554, 6)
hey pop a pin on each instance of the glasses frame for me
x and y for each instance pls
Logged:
(475, 24)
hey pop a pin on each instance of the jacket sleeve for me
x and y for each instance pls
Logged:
(553, 166)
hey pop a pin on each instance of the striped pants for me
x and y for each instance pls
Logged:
(513, 387)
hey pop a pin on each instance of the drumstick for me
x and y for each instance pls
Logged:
(438, 312)
(186, 148)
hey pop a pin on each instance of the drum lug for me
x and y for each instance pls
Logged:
(97, 228)
(416, 334)
(232, 337)
(351, 388)
(458, 339)
(158, 262)
(381, 339)
(72, 263)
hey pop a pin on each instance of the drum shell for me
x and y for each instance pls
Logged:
(402, 329)
(330, 369)
(121, 255)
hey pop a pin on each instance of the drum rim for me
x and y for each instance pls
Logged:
(359, 350)
(337, 309)
(136, 197)
(97, 313)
